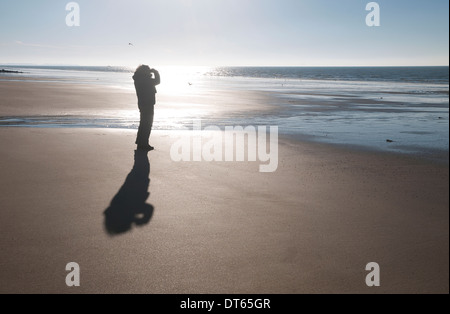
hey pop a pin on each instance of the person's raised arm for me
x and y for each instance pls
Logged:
(157, 79)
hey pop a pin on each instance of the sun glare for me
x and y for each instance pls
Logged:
(180, 80)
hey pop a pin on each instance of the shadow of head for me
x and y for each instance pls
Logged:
(129, 207)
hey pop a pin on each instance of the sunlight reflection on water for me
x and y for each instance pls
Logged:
(365, 113)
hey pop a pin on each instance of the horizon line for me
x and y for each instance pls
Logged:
(231, 66)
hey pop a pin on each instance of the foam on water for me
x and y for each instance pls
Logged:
(352, 106)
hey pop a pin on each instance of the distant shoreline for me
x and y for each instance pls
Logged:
(398, 110)
(433, 74)
(9, 71)
(223, 66)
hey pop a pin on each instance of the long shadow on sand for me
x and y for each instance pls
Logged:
(129, 205)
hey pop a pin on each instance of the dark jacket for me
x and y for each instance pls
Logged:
(145, 88)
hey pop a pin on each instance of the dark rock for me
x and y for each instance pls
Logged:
(8, 71)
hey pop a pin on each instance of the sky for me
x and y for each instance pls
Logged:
(225, 33)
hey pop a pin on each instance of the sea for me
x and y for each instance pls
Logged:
(393, 109)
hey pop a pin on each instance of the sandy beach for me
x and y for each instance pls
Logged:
(209, 227)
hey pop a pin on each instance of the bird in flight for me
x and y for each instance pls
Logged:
(130, 44)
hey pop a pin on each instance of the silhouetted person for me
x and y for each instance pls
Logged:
(145, 80)
(129, 205)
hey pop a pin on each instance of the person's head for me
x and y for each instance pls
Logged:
(143, 70)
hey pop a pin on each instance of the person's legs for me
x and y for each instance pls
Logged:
(145, 126)
(151, 114)
(141, 129)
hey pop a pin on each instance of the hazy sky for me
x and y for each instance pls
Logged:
(225, 32)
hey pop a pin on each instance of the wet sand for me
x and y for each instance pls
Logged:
(310, 227)
(30, 97)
